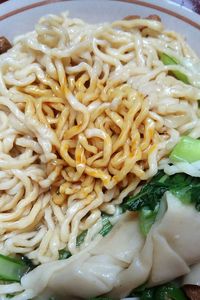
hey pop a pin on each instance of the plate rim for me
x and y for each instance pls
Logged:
(144, 3)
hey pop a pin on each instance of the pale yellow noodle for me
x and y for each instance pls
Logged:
(86, 113)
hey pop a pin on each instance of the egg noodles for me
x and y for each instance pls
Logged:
(88, 112)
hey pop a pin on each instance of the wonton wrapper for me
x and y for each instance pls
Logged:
(124, 259)
(194, 276)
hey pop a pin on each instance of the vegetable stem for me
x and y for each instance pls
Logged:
(188, 149)
(11, 269)
(168, 60)
(107, 226)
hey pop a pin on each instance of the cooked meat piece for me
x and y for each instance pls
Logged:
(192, 291)
(150, 17)
(154, 17)
(4, 44)
(131, 17)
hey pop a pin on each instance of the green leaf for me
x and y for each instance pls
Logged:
(169, 291)
(147, 201)
(149, 195)
(186, 188)
(107, 226)
(65, 253)
(27, 262)
(147, 295)
(144, 294)
(168, 60)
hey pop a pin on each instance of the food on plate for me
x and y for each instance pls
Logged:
(4, 44)
(99, 161)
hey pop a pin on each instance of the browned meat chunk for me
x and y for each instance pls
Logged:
(150, 17)
(4, 44)
(131, 17)
(192, 291)
(154, 17)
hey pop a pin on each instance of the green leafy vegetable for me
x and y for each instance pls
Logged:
(186, 188)
(147, 294)
(149, 195)
(169, 291)
(147, 218)
(147, 201)
(107, 226)
(80, 238)
(12, 269)
(27, 262)
(188, 149)
(168, 60)
(179, 75)
(64, 254)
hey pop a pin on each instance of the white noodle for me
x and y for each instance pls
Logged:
(86, 113)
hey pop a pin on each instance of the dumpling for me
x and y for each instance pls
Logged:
(124, 241)
(172, 245)
(92, 272)
(124, 259)
(194, 276)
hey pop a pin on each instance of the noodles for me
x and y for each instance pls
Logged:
(87, 112)
(192, 169)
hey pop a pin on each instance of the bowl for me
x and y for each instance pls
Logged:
(19, 18)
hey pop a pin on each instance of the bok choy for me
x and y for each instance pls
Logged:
(106, 228)
(147, 201)
(188, 149)
(12, 269)
(169, 291)
(168, 60)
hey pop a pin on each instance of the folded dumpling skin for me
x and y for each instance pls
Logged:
(194, 276)
(124, 259)
(172, 245)
(92, 272)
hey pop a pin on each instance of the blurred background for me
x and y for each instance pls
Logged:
(192, 4)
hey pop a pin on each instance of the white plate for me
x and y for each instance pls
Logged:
(19, 16)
